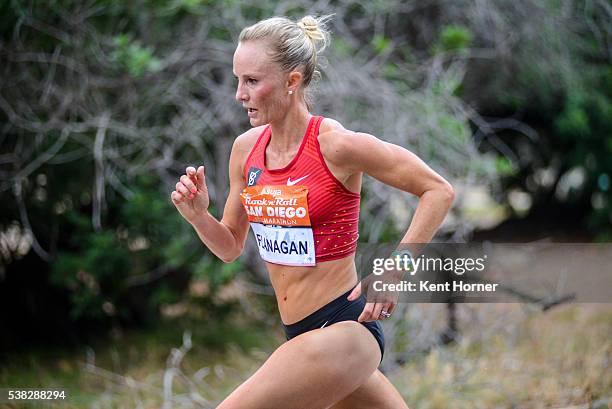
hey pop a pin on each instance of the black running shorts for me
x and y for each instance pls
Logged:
(337, 310)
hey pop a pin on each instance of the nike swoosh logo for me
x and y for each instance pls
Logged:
(293, 182)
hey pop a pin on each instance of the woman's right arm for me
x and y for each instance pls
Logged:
(224, 238)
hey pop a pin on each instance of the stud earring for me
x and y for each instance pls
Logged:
(290, 92)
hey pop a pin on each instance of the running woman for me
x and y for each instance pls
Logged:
(295, 179)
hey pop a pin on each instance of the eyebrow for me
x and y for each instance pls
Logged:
(248, 75)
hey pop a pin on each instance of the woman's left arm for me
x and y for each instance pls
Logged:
(398, 167)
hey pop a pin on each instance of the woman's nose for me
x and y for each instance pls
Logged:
(240, 94)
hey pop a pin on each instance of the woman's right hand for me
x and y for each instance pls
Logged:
(191, 195)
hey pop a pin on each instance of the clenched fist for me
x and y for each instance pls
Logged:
(191, 194)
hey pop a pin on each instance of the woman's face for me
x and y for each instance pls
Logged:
(262, 87)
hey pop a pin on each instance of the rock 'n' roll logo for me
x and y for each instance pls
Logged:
(276, 205)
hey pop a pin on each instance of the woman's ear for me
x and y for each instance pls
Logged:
(294, 81)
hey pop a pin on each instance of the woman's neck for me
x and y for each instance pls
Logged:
(288, 131)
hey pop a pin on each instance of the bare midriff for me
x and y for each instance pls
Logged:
(301, 291)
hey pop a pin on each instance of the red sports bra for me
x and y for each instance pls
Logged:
(300, 214)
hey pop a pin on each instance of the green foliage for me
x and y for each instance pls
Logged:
(560, 83)
(96, 265)
(93, 275)
(341, 47)
(226, 273)
(381, 44)
(585, 123)
(390, 71)
(191, 5)
(573, 121)
(505, 167)
(143, 253)
(145, 246)
(454, 38)
(456, 130)
(163, 294)
(133, 57)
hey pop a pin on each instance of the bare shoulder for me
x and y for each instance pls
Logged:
(330, 124)
(245, 142)
(241, 148)
(332, 136)
(337, 143)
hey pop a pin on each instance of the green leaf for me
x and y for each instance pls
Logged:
(504, 166)
(453, 38)
(381, 43)
(456, 37)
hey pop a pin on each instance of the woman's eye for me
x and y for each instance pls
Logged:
(252, 81)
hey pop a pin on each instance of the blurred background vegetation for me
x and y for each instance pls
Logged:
(104, 103)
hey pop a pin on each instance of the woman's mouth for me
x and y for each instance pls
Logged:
(251, 112)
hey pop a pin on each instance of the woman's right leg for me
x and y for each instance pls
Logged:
(313, 370)
(377, 392)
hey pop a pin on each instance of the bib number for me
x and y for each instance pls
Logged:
(290, 246)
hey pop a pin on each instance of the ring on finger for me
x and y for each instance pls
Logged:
(384, 314)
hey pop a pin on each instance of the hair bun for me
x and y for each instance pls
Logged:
(310, 27)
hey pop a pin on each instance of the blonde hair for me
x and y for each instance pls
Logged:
(292, 44)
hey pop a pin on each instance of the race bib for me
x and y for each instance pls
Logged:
(281, 223)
